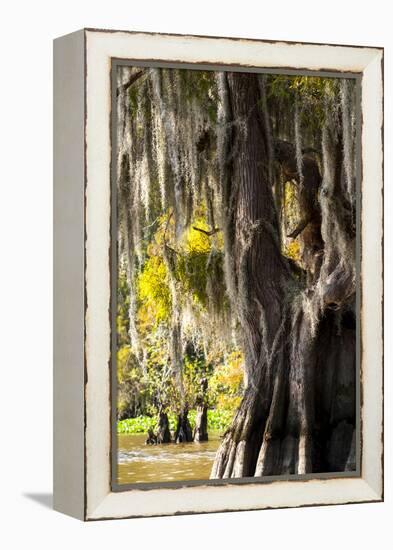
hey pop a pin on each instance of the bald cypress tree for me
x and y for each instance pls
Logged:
(231, 141)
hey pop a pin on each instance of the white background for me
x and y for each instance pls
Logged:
(26, 274)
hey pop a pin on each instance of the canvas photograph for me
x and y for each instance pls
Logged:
(235, 274)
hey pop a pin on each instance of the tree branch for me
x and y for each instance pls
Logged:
(171, 249)
(301, 226)
(208, 233)
(133, 78)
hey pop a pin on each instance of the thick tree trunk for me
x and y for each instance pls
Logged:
(298, 411)
(259, 275)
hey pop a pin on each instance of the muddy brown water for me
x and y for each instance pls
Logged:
(140, 463)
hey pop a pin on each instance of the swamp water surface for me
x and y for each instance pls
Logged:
(140, 463)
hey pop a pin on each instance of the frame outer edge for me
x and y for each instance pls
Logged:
(372, 240)
(68, 288)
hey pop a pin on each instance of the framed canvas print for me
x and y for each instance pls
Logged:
(218, 274)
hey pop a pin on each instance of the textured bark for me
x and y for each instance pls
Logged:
(259, 274)
(163, 433)
(200, 431)
(308, 185)
(298, 412)
(151, 438)
(183, 432)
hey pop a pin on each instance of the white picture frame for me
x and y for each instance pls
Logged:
(82, 252)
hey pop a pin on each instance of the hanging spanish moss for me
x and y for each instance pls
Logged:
(125, 169)
(224, 137)
(347, 95)
(298, 144)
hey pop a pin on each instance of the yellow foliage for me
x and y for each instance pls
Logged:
(291, 205)
(227, 381)
(291, 248)
(192, 252)
(198, 242)
(153, 292)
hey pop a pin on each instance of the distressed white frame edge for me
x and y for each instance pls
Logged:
(69, 281)
(101, 502)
